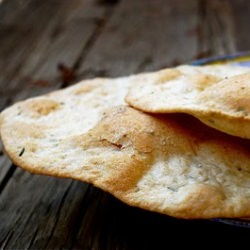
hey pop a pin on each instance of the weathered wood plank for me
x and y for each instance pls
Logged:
(223, 27)
(58, 37)
(126, 47)
(113, 225)
(144, 35)
(6, 171)
(216, 29)
(141, 35)
(58, 33)
(91, 234)
(49, 213)
(32, 69)
(240, 11)
(38, 212)
(26, 31)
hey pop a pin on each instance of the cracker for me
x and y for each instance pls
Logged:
(171, 164)
(218, 95)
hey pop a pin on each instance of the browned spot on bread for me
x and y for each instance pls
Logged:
(83, 89)
(202, 198)
(89, 86)
(119, 132)
(31, 147)
(120, 128)
(203, 81)
(167, 75)
(27, 130)
(38, 107)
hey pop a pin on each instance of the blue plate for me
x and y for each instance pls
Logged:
(240, 59)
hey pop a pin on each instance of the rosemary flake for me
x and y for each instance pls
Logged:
(21, 152)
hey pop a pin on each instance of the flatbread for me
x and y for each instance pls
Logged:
(171, 164)
(218, 95)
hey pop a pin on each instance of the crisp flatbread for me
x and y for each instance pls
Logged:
(172, 164)
(218, 95)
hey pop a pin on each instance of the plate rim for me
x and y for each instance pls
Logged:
(220, 58)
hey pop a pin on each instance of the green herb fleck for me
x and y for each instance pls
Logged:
(172, 189)
(21, 152)
(210, 120)
(243, 110)
(240, 109)
(151, 132)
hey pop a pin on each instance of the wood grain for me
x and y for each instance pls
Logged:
(144, 35)
(46, 45)
(240, 15)
(216, 29)
(57, 34)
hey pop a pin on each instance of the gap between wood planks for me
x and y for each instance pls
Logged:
(8, 238)
(72, 72)
(86, 61)
(67, 76)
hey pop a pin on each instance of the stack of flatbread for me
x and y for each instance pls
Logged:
(174, 141)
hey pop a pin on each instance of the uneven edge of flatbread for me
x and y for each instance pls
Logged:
(144, 136)
(232, 125)
(230, 115)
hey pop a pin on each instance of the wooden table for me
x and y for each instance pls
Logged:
(45, 45)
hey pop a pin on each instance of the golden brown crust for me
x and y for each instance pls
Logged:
(171, 164)
(216, 95)
(42, 107)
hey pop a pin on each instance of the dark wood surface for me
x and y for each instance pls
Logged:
(46, 45)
